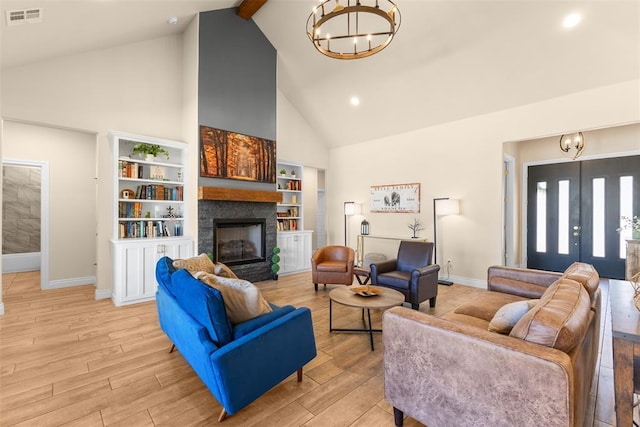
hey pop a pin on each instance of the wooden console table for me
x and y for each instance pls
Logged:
(632, 263)
(625, 328)
(362, 237)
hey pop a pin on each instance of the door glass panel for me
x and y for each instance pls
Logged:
(563, 216)
(598, 217)
(541, 217)
(626, 209)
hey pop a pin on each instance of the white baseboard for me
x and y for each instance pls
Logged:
(67, 283)
(1, 308)
(103, 294)
(476, 283)
(16, 263)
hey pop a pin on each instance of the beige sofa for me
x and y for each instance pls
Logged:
(454, 371)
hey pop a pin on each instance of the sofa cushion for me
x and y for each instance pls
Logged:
(584, 274)
(204, 303)
(560, 319)
(251, 325)
(509, 314)
(395, 279)
(242, 299)
(222, 270)
(487, 305)
(332, 266)
(467, 320)
(201, 262)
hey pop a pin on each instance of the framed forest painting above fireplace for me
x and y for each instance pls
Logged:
(231, 155)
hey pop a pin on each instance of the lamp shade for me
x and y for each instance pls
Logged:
(352, 208)
(448, 207)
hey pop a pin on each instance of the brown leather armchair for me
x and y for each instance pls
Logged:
(333, 265)
(410, 273)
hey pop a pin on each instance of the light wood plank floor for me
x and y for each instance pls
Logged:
(67, 359)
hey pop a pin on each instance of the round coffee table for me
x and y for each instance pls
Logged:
(344, 295)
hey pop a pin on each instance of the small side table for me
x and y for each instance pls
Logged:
(343, 295)
(625, 331)
(362, 273)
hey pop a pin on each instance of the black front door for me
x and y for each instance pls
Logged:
(573, 212)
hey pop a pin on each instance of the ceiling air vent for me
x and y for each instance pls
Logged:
(16, 17)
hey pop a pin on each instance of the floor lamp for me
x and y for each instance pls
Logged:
(350, 208)
(442, 206)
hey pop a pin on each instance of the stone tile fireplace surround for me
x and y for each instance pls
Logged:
(246, 205)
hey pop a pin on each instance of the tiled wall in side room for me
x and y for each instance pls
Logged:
(20, 209)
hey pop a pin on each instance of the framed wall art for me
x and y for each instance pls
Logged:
(403, 198)
(231, 155)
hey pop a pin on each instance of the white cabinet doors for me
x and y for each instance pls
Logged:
(295, 251)
(134, 269)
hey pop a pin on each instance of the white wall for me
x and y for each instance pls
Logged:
(190, 130)
(147, 88)
(619, 139)
(134, 88)
(72, 195)
(463, 160)
(296, 140)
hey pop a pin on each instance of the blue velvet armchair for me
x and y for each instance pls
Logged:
(238, 363)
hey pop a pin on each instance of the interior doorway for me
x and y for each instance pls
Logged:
(25, 217)
(574, 210)
(68, 160)
(509, 211)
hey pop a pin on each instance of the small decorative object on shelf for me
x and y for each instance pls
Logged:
(127, 194)
(144, 149)
(293, 173)
(283, 172)
(275, 260)
(415, 227)
(364, 227)
(157, 172)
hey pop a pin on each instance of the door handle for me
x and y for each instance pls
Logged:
(576, 230)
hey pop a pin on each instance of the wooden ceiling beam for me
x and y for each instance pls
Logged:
(248, 7)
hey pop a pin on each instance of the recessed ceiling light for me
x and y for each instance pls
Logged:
(355, 101)
(172, 21)
(571, 20)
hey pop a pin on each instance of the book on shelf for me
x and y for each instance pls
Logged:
(127, 169)
(159, 192)
(294, 185)
(130, 210)
(147, 229)
(287, 224)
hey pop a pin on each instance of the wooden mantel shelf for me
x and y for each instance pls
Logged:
(238, 195)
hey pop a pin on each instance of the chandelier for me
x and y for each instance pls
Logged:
(354, 31)
(572, 141)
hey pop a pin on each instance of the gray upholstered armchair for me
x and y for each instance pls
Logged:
(410, 273)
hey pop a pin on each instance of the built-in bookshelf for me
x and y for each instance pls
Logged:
(148, 214)
(293, 240)
(150, 191)
(289, 212)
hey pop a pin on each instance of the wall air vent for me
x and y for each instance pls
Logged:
(17, 17)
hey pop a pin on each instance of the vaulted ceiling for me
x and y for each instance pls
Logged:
(451, 59)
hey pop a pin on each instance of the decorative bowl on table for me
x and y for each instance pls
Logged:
(366, 291)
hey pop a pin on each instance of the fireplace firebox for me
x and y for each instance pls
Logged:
(239, 241)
